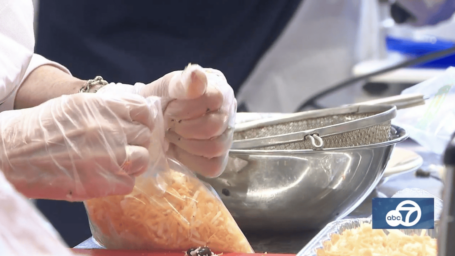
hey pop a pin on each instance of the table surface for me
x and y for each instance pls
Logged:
(292, 243)
(97, 252)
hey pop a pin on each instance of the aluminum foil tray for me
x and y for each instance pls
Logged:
(337, 227)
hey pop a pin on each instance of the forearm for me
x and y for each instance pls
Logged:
(45, 83)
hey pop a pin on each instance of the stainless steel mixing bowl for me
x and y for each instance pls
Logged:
(300, 190)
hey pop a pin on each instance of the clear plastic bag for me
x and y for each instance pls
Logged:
(169, 208)
(432, 124)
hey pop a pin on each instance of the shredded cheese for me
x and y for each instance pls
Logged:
(186, 215)
(365, 241)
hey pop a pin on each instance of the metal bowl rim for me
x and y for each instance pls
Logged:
(378, 110)
(401, 133)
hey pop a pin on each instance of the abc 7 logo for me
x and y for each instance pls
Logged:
(394, 217)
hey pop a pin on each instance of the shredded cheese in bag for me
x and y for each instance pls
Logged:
(187, 214)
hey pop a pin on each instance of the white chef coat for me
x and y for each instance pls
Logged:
(24, 231)
(17, 42)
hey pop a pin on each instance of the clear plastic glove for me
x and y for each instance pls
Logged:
(77, 147)
(199, 111)
(24, 231)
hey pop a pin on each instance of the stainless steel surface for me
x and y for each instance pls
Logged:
(338, 227)
(339, 127)
(243, 117)
(300, 190)
(446, 237)
(400, 101)
(446, 245)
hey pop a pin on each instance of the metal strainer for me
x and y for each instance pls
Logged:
(328, 128)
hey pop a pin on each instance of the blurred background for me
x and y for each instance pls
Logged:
(279, 56)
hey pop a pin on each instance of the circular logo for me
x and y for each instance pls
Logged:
(394, 217)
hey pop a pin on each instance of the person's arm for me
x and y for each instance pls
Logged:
(40, 81)
(44, 83)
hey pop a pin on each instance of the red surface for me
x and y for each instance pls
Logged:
(101, 252)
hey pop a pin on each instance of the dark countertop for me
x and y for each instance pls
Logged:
(273, 242)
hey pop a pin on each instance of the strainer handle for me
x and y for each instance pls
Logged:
(400, 101)
(386, 114)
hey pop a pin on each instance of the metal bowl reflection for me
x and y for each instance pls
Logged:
(300, 190)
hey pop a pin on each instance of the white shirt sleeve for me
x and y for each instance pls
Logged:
(17, 41)
(16, 44)
(36, 61)
(24, 231)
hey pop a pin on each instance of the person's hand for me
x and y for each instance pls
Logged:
(199, 110)
(77, 147)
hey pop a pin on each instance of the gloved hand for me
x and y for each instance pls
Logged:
(199, 112)
(77, 147)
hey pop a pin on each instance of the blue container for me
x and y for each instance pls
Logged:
(418, 48)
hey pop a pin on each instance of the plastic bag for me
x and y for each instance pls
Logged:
(169, 208)
(24, 231)
(432, 124)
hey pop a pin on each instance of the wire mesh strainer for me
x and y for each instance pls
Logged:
(328, 128)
